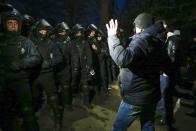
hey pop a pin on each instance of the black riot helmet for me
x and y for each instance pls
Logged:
(4, 7)
(91, 28)
(12, 15)
(42, 25)
(28, 22)
(102, 34)
(78, 28)
(62, 27)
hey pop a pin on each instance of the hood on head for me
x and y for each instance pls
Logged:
(42, 25)
(12, 15)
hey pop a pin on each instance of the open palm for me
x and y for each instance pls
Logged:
(112, 27)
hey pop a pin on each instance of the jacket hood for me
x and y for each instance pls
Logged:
(5, 7)
(41, 25)
(12, 15)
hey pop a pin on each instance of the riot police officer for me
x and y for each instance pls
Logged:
(103, 52)
(63, 69)
(78, 38)
(51, 56)
(18, 57)
(82, 63)
(27, 25)
(92, 42)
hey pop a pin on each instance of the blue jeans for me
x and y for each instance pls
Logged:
(160, 108)
(128, 113)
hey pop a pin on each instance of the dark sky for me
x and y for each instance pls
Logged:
(87, 12)
(84, 12)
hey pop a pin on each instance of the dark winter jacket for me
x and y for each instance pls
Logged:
(174, 50)
(18, 56)
(140, 65)
(49, 51)
(64, 46)
(82, 61)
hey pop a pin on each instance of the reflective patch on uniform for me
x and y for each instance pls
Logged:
(51, 55)
(92, 72)
(22, 51)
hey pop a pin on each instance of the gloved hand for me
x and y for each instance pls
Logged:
(45, 64)
(15, 66)
(92, 72)
(94, 47)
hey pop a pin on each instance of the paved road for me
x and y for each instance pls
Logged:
(101, 116)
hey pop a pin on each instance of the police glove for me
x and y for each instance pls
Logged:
(92, 72)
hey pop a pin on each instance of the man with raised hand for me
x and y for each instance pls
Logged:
(140, 65)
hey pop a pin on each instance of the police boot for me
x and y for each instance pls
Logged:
(104, 94)
(58, 123)
(105, 89)
(54, 104)
(91, 95)
(86, 96)
(57, 119)
(66, 98)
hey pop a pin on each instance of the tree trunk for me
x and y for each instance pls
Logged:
(104, 13)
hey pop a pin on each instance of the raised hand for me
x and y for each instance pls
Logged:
(112, 27)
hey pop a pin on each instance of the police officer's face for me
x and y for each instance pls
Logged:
(79, 34)
(43, 32)
(12, 25)
(92, 34)
(99, 38)
(62, 33)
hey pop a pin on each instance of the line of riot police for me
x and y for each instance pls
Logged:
(53, 64)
